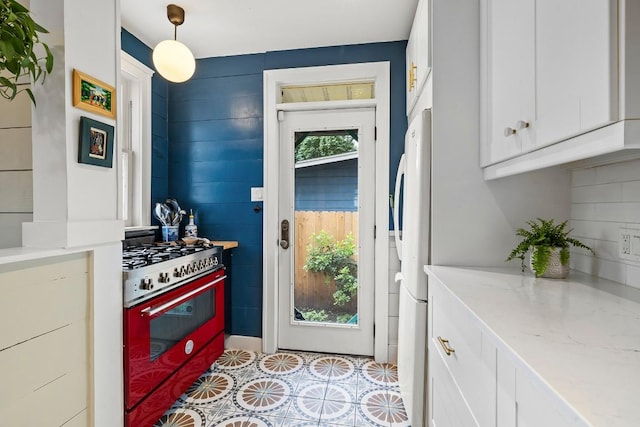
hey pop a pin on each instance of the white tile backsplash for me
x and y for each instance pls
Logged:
(597, 193)
(598, 230)
(394, 305)
(633, 276)
(394, 290)
(582, 177)
(603, 200)
(631, 191)
(583, 211)
(617, 172)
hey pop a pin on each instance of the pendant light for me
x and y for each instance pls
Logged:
(173, 60)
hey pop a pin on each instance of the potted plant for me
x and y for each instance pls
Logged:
(18, 38)
(549, 246)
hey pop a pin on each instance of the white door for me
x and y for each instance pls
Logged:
(326, 238)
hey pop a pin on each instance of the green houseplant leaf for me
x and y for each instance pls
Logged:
(542, 236)
(19, 36)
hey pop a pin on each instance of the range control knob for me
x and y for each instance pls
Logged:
(176, 272)
(164, 278)
(201, 264)
(183, 271)
(214, 260)
(189, 269)
(146, 284)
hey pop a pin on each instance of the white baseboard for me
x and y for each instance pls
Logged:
(243, 343)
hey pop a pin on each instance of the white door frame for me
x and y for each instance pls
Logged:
(379, 72)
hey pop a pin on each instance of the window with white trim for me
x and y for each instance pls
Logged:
(134, 120)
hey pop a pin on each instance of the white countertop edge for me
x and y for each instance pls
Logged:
(20, 254)
(614, 288)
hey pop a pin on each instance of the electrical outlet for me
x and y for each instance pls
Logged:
(626, 244)
(629, 244)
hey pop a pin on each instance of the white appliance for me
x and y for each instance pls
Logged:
(413, 251)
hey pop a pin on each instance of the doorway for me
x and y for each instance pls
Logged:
(274, 107)
(326, 245)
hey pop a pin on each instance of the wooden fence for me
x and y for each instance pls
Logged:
(311, 291)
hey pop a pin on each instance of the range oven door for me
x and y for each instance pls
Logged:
(164, 332)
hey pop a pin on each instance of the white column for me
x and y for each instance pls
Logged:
(75, 204)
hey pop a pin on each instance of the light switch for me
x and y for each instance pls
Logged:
(257, 194)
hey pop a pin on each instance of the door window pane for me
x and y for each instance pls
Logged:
(326, 227)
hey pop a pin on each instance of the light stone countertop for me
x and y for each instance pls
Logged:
(581, 335)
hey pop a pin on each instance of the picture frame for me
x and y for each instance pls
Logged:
(93, 95)
(96, 143)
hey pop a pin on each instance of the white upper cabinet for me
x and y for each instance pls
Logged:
(552, 89)
(418, 60)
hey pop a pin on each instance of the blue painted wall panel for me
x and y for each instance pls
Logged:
(215, 149)
(222, 131)
(238, 65)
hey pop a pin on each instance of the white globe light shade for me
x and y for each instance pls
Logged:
(174, 61)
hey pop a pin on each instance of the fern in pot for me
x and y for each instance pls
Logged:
(549, 246)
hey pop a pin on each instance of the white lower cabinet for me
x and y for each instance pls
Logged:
(458, 342)
(476, 380)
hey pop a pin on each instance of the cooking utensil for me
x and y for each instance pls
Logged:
(178, 217)
(161, 213)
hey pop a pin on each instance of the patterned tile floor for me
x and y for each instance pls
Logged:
(247, 389)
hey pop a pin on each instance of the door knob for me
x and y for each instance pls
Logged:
(284, 234)
(509, 131)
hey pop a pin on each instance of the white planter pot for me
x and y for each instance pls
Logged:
(555, 269)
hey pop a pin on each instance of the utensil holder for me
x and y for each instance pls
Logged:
(170, 233)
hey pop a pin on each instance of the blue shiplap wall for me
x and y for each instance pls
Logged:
(215, 150)
(328, 187)
(159, 123)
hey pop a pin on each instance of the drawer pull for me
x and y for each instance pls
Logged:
(445, 346)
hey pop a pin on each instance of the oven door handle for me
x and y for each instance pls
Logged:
(152, 312)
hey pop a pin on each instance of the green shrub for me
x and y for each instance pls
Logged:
(315, 315)
(334, 259)
(344, 317)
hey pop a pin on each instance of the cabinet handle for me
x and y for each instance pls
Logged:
(509, 131)
(412, 76)
(522, 124)
(445, 346)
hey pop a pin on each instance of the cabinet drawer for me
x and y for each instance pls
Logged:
(447, 405)
(467, 354)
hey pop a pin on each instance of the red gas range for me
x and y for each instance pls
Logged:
(173, 324)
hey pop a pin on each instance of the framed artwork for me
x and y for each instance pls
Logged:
(93, 95)
(96, 143)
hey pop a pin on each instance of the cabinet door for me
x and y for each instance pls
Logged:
(576, 67)
(423, 47)
(447, 406)
(411, 66)
(418, 57)
(511, 80)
